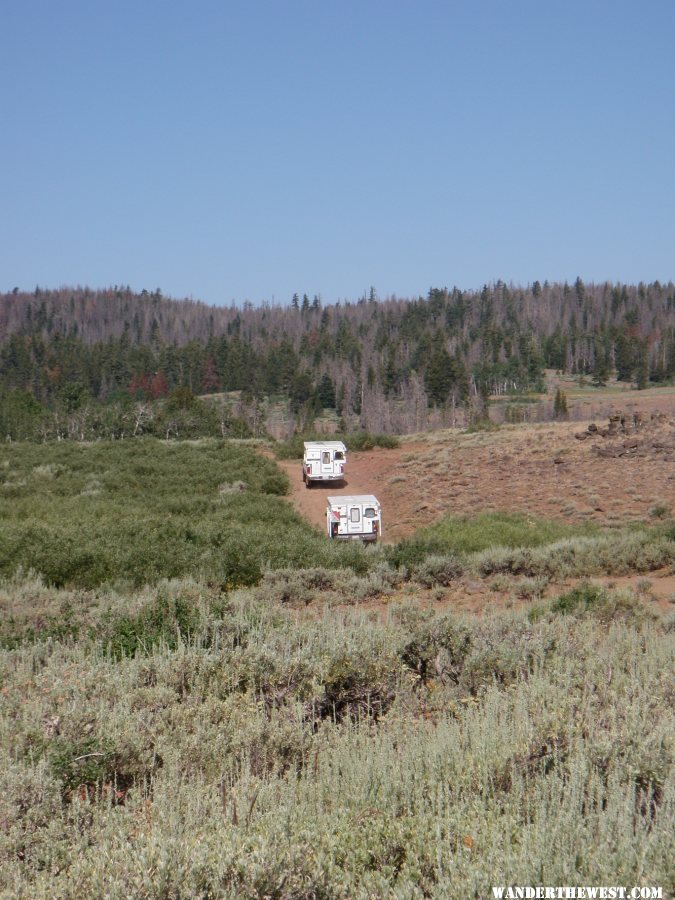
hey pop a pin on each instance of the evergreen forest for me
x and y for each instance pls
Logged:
(77, 361)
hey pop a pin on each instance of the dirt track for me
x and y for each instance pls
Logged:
(539, 470)
(367, 473)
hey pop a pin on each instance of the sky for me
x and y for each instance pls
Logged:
(243, 151)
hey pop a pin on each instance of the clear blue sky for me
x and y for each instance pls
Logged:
(246, 150)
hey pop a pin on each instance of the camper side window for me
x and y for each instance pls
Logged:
(354, 514)
(339, 454)
(325, 457)
(369, 512)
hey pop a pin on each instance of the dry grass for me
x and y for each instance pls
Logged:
(267, 755)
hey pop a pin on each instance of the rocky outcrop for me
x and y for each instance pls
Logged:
(632, 435)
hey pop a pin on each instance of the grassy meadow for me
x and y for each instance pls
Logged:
(198, 700)
(136, 511)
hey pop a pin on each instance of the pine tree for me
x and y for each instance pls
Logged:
(600, 366)
(642, 367)
(326, 392)
(560, 410)
(624, 357)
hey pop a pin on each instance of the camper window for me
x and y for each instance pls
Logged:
(339, 454)
(354, 514)
(325, 457)
(369, 512)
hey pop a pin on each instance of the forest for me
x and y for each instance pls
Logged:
(106, 362)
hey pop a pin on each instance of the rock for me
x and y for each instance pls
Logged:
(608, 452)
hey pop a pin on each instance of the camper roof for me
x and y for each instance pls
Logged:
(324, 445)
(352, 498)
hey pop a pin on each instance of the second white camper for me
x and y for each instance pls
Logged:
(323, 461)
(356, 517)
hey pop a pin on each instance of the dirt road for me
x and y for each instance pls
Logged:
(367, 473)
(540, 470)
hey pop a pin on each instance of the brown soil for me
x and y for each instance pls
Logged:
(541, 470)
(367, 473)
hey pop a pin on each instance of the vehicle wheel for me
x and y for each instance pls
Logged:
(308, 483)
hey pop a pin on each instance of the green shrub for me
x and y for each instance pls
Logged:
(356, 687)
(364, 440)
(605, 606)
(358, 440)
(613, 554)
(436, 570)
(492, 666)
(211, 509)
(438, 649)
(487, 530)
(278, 484)
(584, 596)
(166, 620)
(410, 553)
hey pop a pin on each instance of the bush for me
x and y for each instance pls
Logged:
(617, 554)
(35, 625)
(605, 606)
(438, 649)
(356, 687)
(277, 484)
(359, 440)
(159, 510)
(485, 668)
(411, 553)
(489, 530)
(364, 440)
(407, 748)
(165, 620)
(436, 570)
(583, 597)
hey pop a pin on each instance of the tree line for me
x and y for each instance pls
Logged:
(381, 364)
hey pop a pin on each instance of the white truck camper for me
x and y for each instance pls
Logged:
(323, 461)
(356, 518)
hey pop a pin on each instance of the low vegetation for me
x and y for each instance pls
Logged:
(463, 535)
(139, 511)
(182, 741)
(358, 440)
(198, 697)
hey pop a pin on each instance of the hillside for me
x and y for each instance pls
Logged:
(396, 365)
